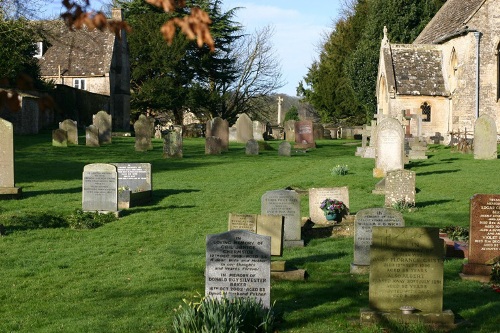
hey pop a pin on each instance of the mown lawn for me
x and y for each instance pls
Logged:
(130, 275)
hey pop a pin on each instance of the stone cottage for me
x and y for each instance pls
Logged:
(449, 76)
(91, 60)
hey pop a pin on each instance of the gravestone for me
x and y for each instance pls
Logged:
(484, 236)
(173, 143)
(406, 270)
(238, 265)
(285, 149)
(219, 127)
(389, 147)
(59, 138)
(70, 126)
(100, 188)
(258, 130)
(364, 222)
(142, 130)
(485, 138)
(213, 145)
(244, 128)
(7, 186)
(317, 195)
(304, 136)
(318, 132)
(134, 184)
(400, 188)
(285, 203)
(92, 136)
(289, 128)
(266, 225)
(252, 147)
(103, 122)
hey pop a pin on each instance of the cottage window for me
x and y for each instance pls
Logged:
(426, 112)
(79, 83)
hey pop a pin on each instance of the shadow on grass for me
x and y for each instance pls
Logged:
(27, 193)
(437, 172)
(300, 262)
(422, 204)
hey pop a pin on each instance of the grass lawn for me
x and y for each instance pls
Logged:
(130, 275)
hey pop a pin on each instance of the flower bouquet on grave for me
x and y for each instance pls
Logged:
(334, 209)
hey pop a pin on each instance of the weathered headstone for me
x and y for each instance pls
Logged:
(142, 130)
(485, 138)
(219, 127)
(304, 136)
(173, 143)
(244, 128)
(364, 222)
(7, 187)
(92, 136)
(285, 203)
(406, 270)
(213, 145)
(252, 147)
(484, 236)
(134, 184)
(285, 149)
(289, 128)
(400, 188)
(100, 188)
(318, 132)
(258, 130)
(267, 225)
(389, 147)
(59, 138)
(103, 122)
(238, 265)
(317, 195)
(70, 126)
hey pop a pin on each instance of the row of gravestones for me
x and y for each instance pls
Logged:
(95, 135)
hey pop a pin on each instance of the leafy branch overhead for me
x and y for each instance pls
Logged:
(194, 26)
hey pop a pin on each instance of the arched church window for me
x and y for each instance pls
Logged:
(453, 69)
(426, 112)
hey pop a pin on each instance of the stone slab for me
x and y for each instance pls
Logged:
(100, 188)
(284, 203)
(317, 195)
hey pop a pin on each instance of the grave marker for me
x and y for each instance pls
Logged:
(92, 136)
(317, 195)
(59, 138)
(142, 130)
(252, 147)
(7, 187)
(134, 184)
(238, 265)
(244, 128)
(400, 188)
(304, 136)
(219, 127)
(173, 143)
(389, 147)
(100, 188)
(285, 149)
(103, 122)
(485, 138)
(213, 145)
(70, 126)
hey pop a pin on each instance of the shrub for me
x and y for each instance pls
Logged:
(89, 220)
(239, 315)
(456, 233)
(495, 272)
(340, 170)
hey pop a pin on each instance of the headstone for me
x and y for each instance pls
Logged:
(134, 184)
(484, 236)
(485, 138)
(289, 127)
(70, 126)
(317, 195)
(103, 122)
(59, 138)
(258, 130)
(285, 203)
(400, 188)
(219, 127)
(406, 270)
(252, 147)
(267, 225)
(389, 147)
(7, 187)
(233, 134)
(100, 188)
(304, 136)
(213, 145)
(238, 265)
(92, 136)
(285, 149)
(318, 132)
(173, 143)
(158, 134)
(142, 129)
(364, 222)
(244, 128)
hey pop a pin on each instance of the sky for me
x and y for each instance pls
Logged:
(299, 29)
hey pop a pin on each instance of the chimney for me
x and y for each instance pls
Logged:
(117, 14)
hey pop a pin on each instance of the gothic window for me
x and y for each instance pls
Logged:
(453, 69)
(426, 112)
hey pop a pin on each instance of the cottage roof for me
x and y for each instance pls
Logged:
(78, 53)
(451, 18)
(417, 70)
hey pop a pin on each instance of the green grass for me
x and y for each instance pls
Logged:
(130, 275)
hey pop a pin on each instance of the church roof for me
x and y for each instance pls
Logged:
(450, 19)
(417, 70)
(77, 53)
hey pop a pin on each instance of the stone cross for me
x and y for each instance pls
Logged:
(280, 100)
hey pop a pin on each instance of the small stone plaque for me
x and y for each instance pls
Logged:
(284, 203)
(242, 222)
(406, 269)
(100, 188)
(400, 187)
(238, 264)
(317, 195)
